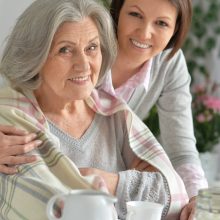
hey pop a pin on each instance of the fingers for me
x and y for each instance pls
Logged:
(85, 171)
(145, 167)
(14, 144)
(12, 156)
(142, 165)
(10, 140)
(22, 149)
(151, 168)
(135, 163)
(16, 160)
(9, 164)
(6, 129)
(99, 184)
(8, 170)
(192, 208)
(188, 212)
(192, 215)
(184, 214)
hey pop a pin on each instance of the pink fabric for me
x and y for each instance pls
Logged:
(125, 90)
(194, 178)
(192, 175)
(145, 146)
(23, 110)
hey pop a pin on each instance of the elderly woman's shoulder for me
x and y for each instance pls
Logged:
(8, 95)
(7, 91)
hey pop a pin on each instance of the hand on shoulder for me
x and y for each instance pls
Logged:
(14, 144)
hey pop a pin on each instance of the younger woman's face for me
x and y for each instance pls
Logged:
(144, 28)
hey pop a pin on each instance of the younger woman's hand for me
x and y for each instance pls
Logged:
(14, 144)
(188, 212)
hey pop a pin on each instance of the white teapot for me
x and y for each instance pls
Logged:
(82, 205)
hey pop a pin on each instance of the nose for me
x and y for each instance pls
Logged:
(146, 31)
(81, 62)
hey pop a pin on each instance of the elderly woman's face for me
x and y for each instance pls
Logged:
(72, 68)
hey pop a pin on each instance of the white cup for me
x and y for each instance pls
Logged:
(140, 210)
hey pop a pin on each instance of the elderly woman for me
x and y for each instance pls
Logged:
(56, 54)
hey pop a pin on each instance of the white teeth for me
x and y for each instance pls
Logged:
(143, 46)
(80, 78)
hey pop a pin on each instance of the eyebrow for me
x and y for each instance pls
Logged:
(135, 6)
(160, 17)
(70, 42)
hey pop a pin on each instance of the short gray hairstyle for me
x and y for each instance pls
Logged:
(29, 43)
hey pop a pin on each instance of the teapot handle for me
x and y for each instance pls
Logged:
(50, 207)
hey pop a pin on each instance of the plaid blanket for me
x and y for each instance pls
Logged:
(30, 189)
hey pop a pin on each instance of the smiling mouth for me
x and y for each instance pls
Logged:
(140, 45)
(80, 79)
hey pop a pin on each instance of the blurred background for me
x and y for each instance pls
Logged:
(202, 52)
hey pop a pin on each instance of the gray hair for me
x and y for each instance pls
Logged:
(29, 43)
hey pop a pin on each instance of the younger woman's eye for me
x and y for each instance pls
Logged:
(162, 23)
(135, 14)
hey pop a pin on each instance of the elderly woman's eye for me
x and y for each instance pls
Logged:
(92, 47)
(64, 50)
